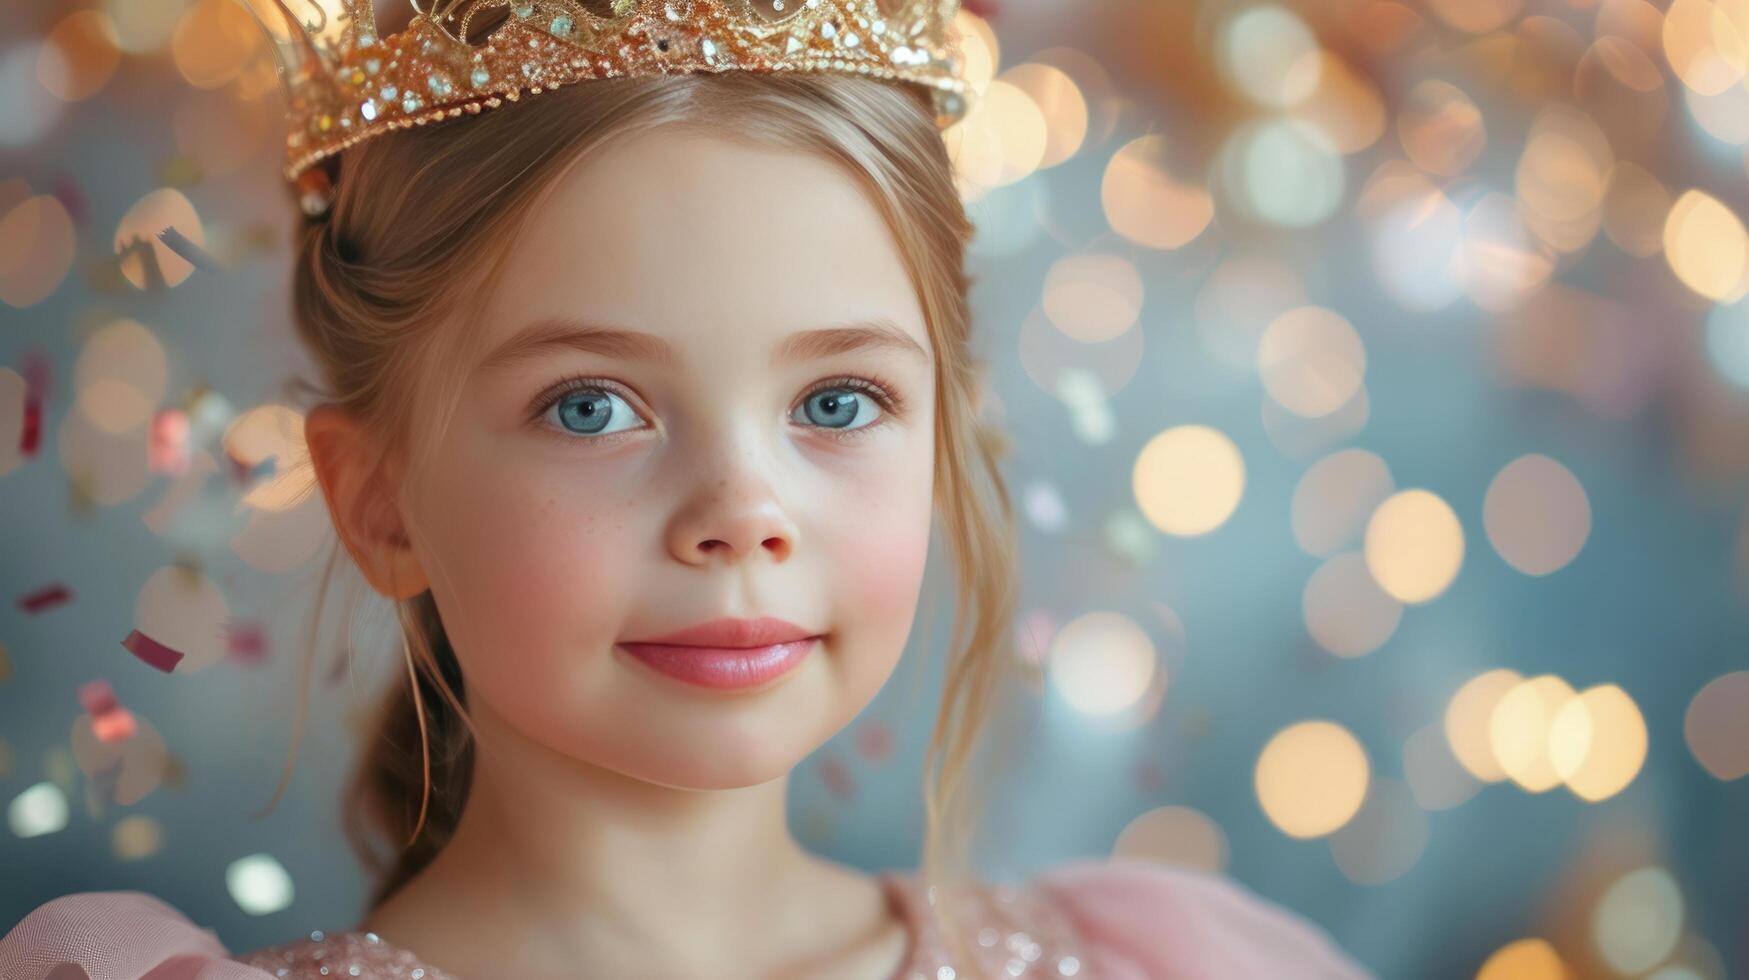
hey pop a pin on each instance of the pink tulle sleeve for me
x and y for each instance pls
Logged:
(1148, 921)
(120, 935)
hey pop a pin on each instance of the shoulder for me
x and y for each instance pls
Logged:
(111, 936)
(1141, 920)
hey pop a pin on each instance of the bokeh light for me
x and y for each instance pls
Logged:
(1519, 727)
(1468, 720)
(1145, 204)
(1311, 361)
(1524, 959)
(1716, 726)
(1537, 514)
(1414, 545)
(1270, 55)
(1093, 297)
(1102, 663)
(1188, 480)
(36, 250)
(1311, 778)
(1597, 742)
(1334, 498)
(40, 809)
(1346, 611)
(259, 884)
(1638, 921)
(1175, 835)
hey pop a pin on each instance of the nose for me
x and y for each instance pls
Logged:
(731, 519)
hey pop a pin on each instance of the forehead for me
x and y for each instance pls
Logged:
(714, 244)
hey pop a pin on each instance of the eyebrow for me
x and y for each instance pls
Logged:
(561, 333)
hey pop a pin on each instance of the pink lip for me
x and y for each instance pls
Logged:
(729, 632)
(727, 654)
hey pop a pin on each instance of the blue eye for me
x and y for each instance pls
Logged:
(590, 411)
(837, 407)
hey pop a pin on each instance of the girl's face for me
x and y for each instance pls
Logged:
(706, 390)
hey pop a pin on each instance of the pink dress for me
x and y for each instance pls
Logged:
(1088, 919)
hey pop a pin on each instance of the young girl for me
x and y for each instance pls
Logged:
(643, 397)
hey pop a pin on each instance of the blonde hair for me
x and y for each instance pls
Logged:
(424, 219)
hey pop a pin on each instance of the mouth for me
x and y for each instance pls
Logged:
(724, 668)
(730, 633)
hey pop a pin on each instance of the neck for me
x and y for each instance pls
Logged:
(556, 863)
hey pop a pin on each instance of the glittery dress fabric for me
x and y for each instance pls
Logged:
(1088, 919)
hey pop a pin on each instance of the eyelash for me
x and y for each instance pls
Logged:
(884, 394)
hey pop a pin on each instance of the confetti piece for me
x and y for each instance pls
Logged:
(97, 697)
(5, 665)
(110, 722)
(153, 653)
(248, 642)
(31, 436)
(981, 8)
(177, 242)
(45, 598)
(114, 726)
(1149, 778)
(36, 387)
(167, 450)
(875, 742)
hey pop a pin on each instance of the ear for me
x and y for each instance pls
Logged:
(362, 501)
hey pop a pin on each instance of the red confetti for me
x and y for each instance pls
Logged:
(247, 642)
(31, 436)
(875, 742)
(983, 8)
(45, 598)
(36, 392)
(153, 653)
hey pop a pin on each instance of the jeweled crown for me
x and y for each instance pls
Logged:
(344, 83)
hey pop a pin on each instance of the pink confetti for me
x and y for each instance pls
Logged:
(153, 653)
(113, 726)
(875, 742)
(46, 598)
(167, 452)
(247, 642)
(97, 697)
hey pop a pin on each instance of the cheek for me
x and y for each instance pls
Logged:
(877, 565)
(527, 566)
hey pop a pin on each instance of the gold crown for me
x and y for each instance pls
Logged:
(345, 84)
